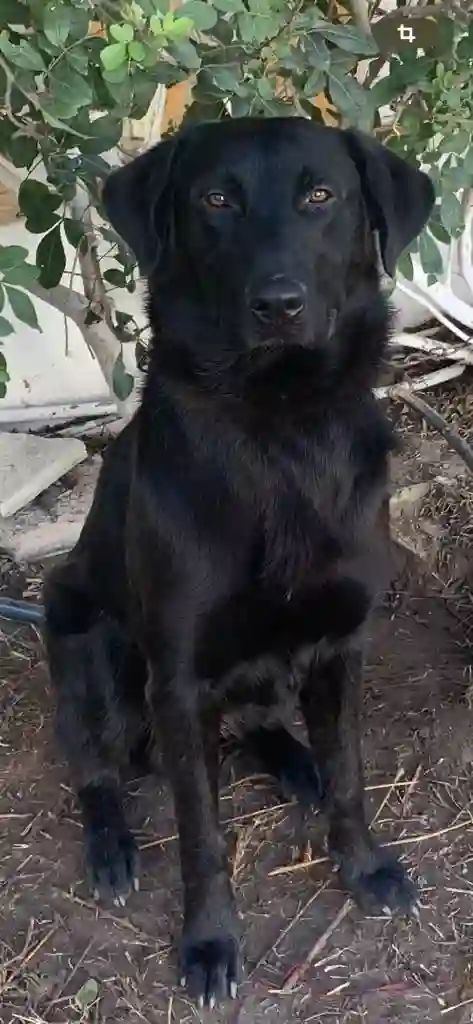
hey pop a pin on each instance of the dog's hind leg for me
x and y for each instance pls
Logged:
(281, 755)
(90, 663)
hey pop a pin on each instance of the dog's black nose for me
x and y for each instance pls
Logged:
(277, 299)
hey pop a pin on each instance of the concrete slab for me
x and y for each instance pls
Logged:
(30, 464)
(52, 524)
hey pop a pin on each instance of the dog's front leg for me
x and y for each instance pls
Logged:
(210, 962)
(331, 703)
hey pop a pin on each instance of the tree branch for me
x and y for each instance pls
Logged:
(462, 448)
(99, 338)
(361, 15)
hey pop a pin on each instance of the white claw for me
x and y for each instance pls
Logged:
(200, 1003)
(212, 1003)
(182, 981)
(233, 990)
(96, 895)
(387, 910)
(122, 900)
(136, 884)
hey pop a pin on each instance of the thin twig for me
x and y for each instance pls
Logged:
(462, 448)
(458, 1006)
(26, 957)
(287, 929)
(295, 976)
(237, 820)
(386, 797)
(287, 869)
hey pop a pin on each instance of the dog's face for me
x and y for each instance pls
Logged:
(266, 227)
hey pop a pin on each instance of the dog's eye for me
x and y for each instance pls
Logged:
(318, 195)
(217, 200)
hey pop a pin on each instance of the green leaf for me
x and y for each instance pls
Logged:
(22, 56)
(459, 142)
(87, 994)
(74, 231)
(468, 161)
(352, 101)
(156, 25)
(122, 33)
(430, 256)
(228, 79)
(5, 327)
(39, 205)
(136, 51)
(103, 133)
(79, 60)
(115, 277)
(51, 259)
(113, 56)
(118, 76)
(23, 307)
(22, 150)
(122, 381)
(57, 22)
(317, 51)
(203, 15)
(451, 213)
(177, 28)
(438, 231)
(69, 90)
(185, 54)
(247, 26)
(2, 299)
(229, 6)
(25, 275)
(13, 13)
(11, 256)
(348, 37)
(265, 88)
(314, 84)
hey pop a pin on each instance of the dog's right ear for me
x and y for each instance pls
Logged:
(134, 199)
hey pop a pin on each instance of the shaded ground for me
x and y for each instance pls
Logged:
(63, 959)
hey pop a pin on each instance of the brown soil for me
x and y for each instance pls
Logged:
(64, 960)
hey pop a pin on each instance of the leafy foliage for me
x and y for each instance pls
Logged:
(71, 72)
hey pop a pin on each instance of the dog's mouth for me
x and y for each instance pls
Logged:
(278, 339)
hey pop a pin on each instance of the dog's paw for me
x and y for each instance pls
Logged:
(211, 967)
(380, 885)
(112, 860)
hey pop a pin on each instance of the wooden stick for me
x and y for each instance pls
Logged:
(433, 347)
(282, 935)
(295, 976)
(428, 380)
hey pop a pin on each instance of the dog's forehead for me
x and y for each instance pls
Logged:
(250, 147)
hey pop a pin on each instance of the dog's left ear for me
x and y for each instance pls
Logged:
(136, 201)
(398, 197)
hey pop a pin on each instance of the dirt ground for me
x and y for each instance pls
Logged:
(65, 960)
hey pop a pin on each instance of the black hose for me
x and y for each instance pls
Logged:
(21, 611)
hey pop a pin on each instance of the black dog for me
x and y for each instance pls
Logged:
(231, 555)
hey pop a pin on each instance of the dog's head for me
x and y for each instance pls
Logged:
(264, 228)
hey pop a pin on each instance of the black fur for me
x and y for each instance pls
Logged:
(232, 552)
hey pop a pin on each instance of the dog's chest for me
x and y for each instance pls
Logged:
(309, 519)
